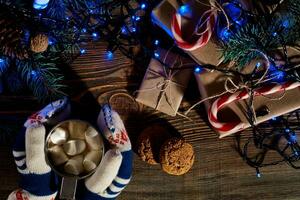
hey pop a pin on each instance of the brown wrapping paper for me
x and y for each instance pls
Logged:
(162, 16)
(163, 89)
(212, 83)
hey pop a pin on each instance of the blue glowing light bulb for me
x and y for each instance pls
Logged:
(198, 70)
(258, 65)
(233, 11)
(50, 41)
(185, 10)
(156, 42)
(95, 35)
(143, 6)
(34, 74)
(84, 30)
(258, 175)
(286, 23)
(240, 22)
(225, 34)
(293, 138)
(124, 30)
(109, 55)
(287, 130)
(274, 118)
(137, 18)
(82, 51)
(279, 75)
(3, 64)
(156, 54)
(272, 68)
(40, 4)
(133, 29)
(274, 34)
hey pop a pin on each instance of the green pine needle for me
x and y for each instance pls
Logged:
(42, 78)
(265, 35)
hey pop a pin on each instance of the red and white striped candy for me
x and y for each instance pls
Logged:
(210, 18)
(229, 128)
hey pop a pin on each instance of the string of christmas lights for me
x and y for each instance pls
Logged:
(69, 25)
(282, 134)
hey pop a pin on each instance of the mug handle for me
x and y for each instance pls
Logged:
(68, 188)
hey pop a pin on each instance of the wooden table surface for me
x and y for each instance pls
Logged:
(218, 172)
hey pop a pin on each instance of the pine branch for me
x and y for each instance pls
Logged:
(4, 64)
(57, 9)
(18, 3)
(43, 78)
(264, 34)
(242, 45)
(76, 4)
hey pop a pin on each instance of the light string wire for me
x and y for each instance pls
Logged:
(254, 80)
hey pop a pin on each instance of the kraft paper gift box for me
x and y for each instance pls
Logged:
(161, 88)
(162, 16)
(211, 83)
(208, 54)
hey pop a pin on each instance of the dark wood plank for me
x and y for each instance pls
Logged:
(218, 172)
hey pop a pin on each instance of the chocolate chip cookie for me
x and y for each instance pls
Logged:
(176, 156)
(150, 142)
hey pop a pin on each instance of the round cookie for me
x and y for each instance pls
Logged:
(176, 156)
(150, 142)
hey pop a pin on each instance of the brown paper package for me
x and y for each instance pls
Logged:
(155, 93)
(162, 16)
(212, 83)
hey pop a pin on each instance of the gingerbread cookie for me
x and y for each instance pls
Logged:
(176, 156)
(150, 142)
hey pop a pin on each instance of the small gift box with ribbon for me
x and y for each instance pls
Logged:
(227, 101)
(197, 26)
(165, 82)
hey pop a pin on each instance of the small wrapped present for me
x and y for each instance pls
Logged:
(226, 100)
(165, 82)
(202, 49)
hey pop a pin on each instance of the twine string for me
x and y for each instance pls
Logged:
(164, 86)
(231, 87)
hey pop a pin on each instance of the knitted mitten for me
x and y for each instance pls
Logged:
(114, 171)
(38, 182)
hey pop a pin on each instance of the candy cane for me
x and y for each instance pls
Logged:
(203, 38)
(226, 129)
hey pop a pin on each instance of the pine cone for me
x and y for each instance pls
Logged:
(11, 36)
(39, 43)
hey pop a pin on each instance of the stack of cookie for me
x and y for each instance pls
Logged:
(157, 146)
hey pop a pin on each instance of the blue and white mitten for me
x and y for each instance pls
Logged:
(114, 171)
(38, 181)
